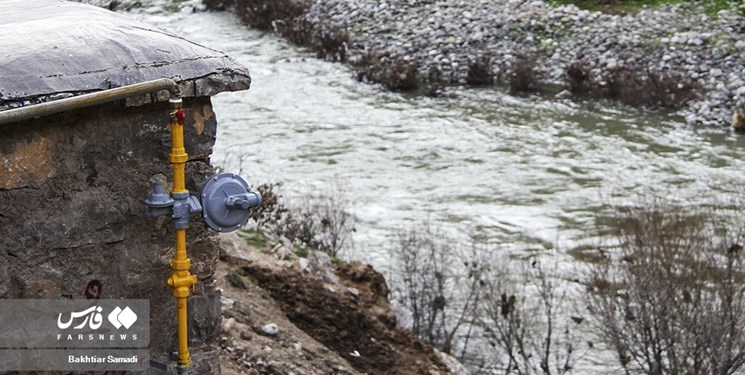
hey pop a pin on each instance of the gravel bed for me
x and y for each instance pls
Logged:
(442, 39)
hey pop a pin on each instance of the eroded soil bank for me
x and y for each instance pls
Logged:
(284, 314)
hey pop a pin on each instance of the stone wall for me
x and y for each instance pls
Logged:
(72, 218)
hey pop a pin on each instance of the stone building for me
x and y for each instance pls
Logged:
(72, 184)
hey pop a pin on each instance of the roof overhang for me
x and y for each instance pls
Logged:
(53, 49)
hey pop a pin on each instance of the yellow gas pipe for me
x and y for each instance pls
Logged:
(181, 280)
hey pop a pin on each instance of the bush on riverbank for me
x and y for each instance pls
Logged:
(275, 15)
(522, 76)
(654, 89)
(479, 70)
(440, 288)
(492, 316)
(668, 300)
(318, 220)
(284, 17)
(395, 74)
(672, 301)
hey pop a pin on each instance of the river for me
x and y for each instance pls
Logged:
(530, 173)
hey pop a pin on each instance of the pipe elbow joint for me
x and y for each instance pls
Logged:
(182, 285)
(183, 208)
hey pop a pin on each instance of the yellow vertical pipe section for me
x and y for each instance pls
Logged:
(181, 280)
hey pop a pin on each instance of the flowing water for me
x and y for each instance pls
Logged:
(528, 172)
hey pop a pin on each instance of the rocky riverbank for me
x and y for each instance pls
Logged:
(674, 56)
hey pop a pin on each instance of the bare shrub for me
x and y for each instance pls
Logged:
(672, 301)
(656, 89)
(334, 44)
(577, 76)
(528, 324)
(460, 302)
(266, 15)
(319, 220)
(272, 209)
(440, 285)
(395, 74)
(286, 18)
(434, 82)
(479, 70)
(522, 76)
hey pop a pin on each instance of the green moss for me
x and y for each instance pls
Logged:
(301, 251)
(336, 261)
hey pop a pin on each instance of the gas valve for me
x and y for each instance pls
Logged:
(158, 203)
(227, 201)
(180, 206)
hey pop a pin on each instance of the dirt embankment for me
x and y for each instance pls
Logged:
(283, 314)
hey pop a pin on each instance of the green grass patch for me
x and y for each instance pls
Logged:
(630, 6)
(301, 251)
(255, 238)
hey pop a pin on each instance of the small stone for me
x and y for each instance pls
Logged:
(477, 37)
(270, 329)
(695, 41)
(740, 44)
(245, 335)
(303, 264)
(354, 292)
(227, 325)
(678, 39)
(563, 94)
